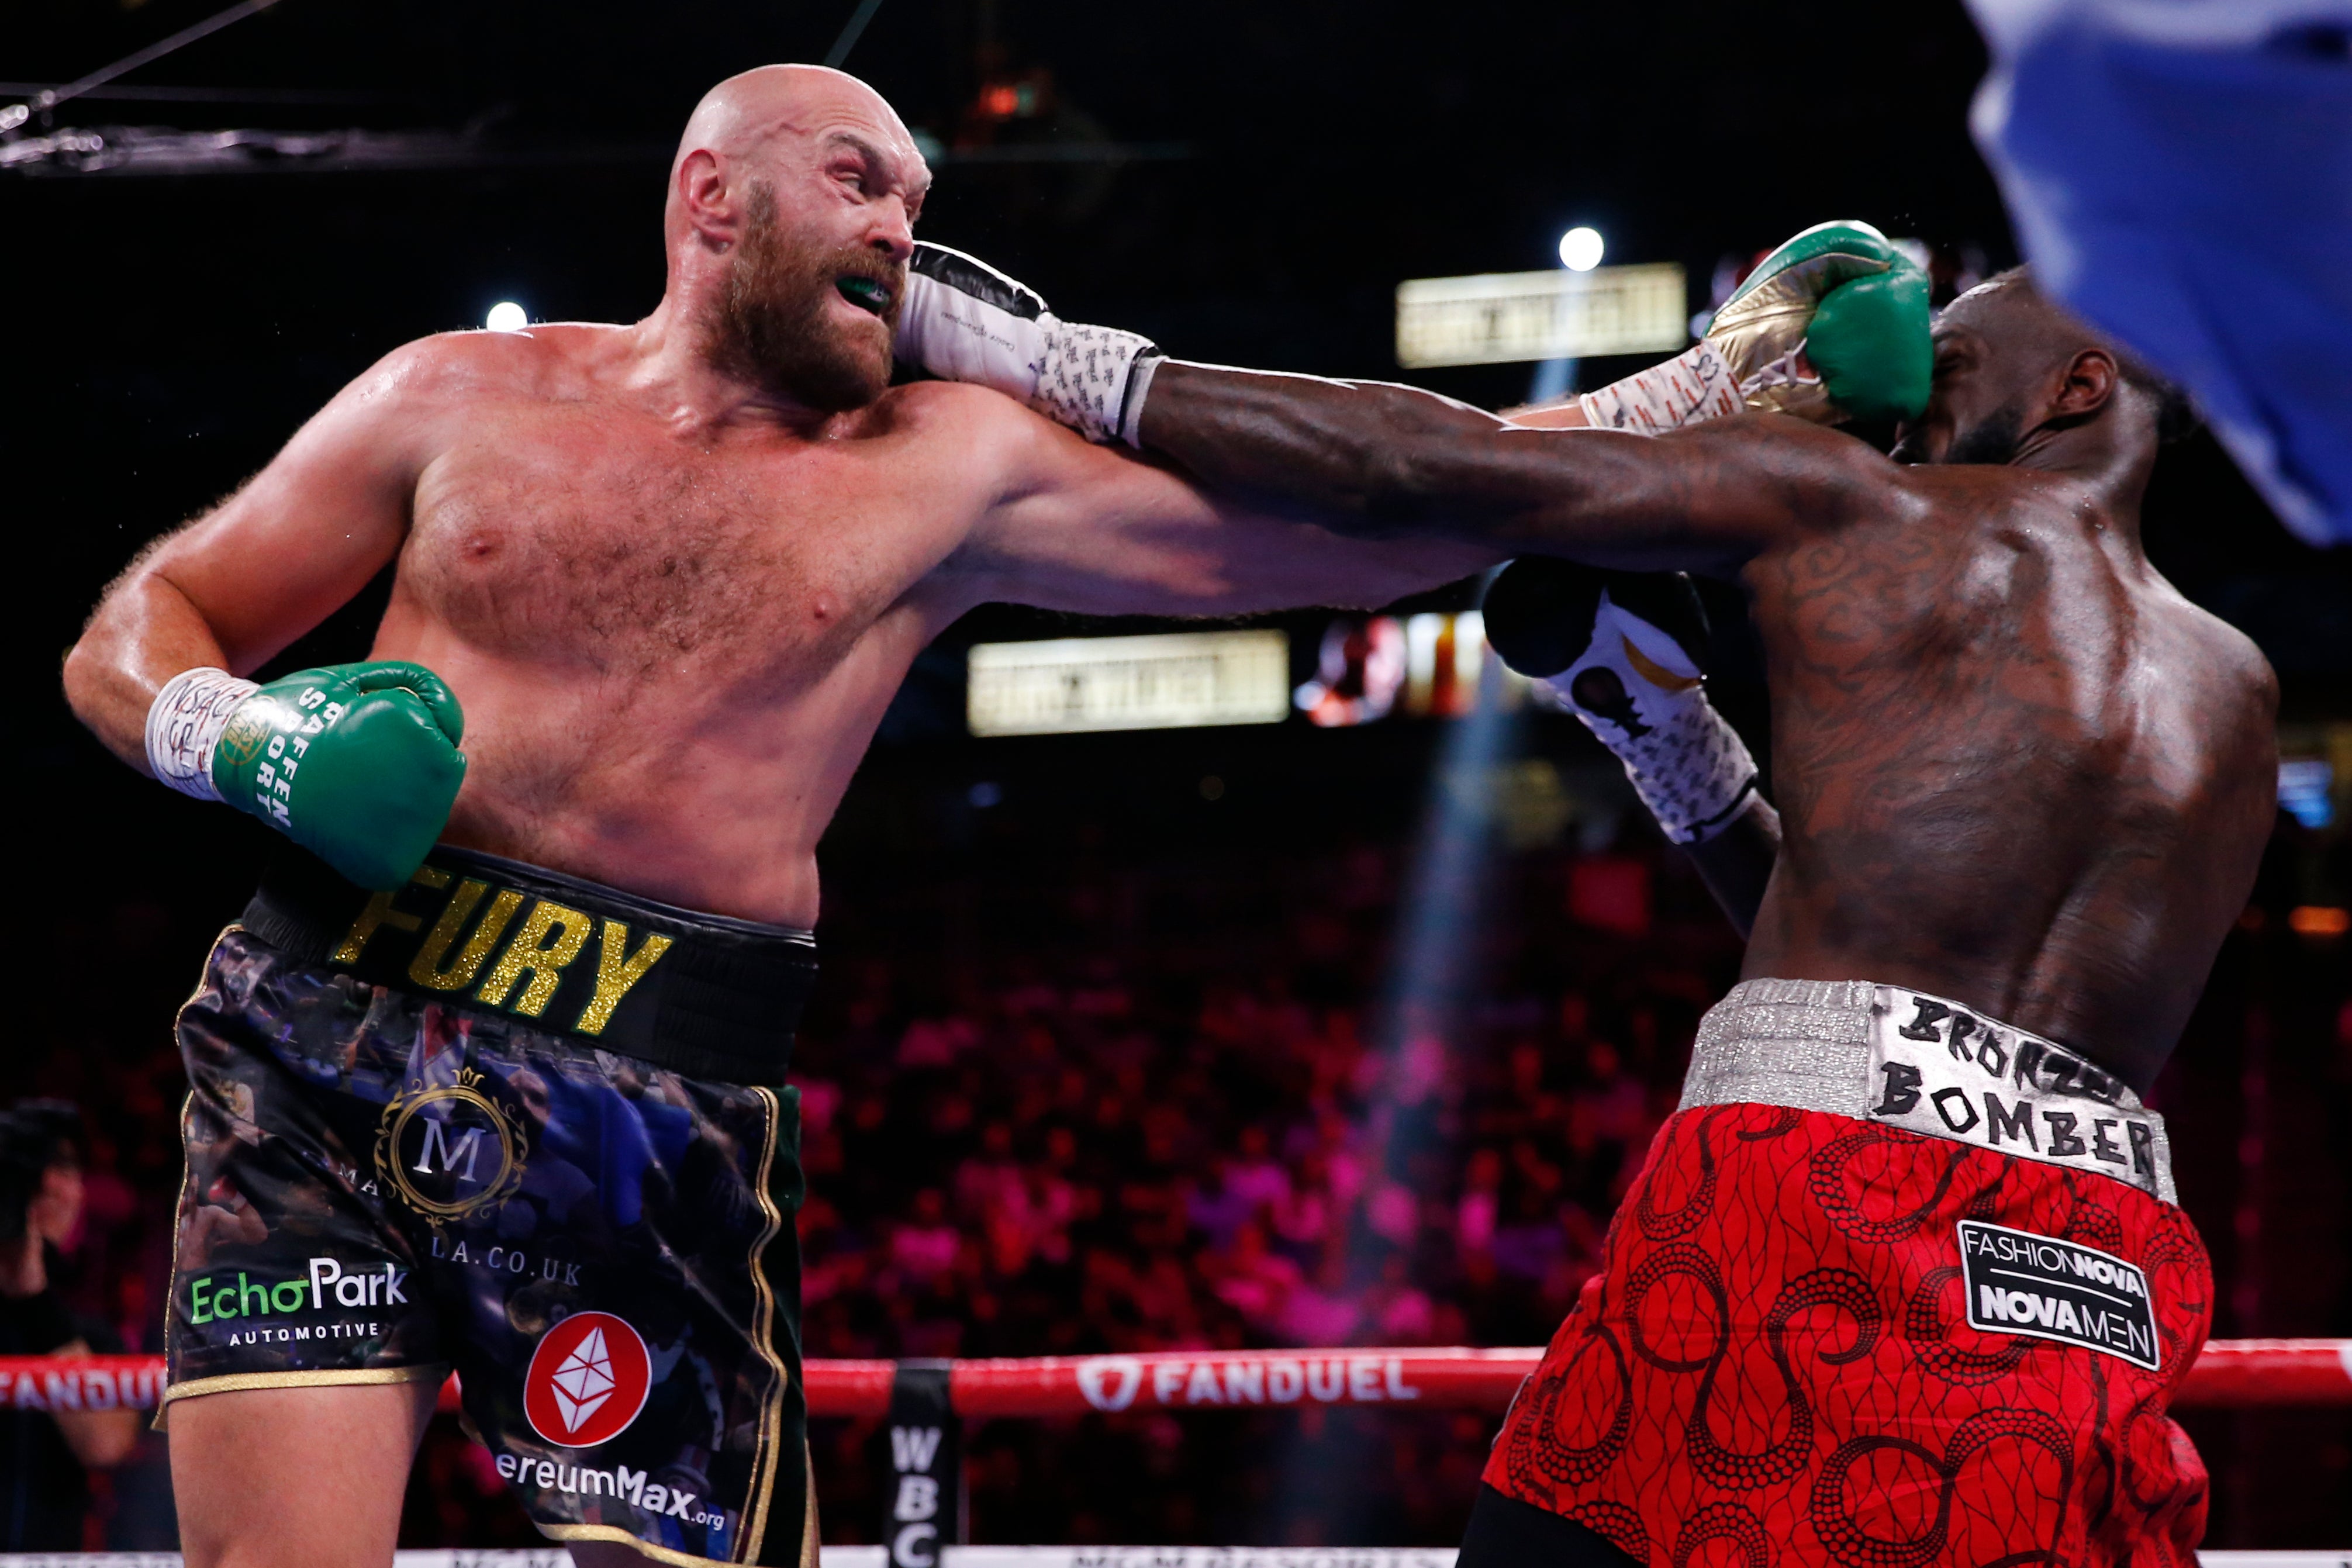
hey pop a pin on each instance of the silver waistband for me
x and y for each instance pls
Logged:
(1826, 1045)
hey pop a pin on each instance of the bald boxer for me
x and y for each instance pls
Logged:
(1904, 1281)
(491, 1073)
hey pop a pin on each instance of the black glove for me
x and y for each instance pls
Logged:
(1622, 651)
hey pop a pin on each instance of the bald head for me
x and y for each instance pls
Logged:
(757, 115)
(2008, 310)
(2012, 306)
(789, 220)
(2012, 363)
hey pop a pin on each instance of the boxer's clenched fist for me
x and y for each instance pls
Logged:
(1833, 325)
(1621, 651)
(1855, 305)
(356, 762)
(964, 321)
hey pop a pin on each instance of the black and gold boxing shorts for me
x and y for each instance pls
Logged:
(532, 1129)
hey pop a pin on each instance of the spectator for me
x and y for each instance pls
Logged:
(44, 1456)
(1217, 1206)
(1480, 1209)
(924, 1247)
(1251, 1278)
(1255, 1176)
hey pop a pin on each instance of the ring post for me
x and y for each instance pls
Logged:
(922, 1491)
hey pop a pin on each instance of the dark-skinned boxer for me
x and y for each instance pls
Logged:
(1902, 1281)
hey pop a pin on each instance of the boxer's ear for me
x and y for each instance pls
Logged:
(2086, 383)
(709, 199)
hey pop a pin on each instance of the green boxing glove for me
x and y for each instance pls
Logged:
(1830, 326)
(1858, 308)
(356, 762)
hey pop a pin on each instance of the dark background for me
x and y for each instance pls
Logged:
(163, 334)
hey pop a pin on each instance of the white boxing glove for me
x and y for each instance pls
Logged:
(1620, 650)
(962, 319)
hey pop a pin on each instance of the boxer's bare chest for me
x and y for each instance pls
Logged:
(592, 537)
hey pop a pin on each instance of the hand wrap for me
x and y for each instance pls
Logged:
(184, 724)
(1689, 389)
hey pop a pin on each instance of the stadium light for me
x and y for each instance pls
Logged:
(506, 316)
(1580, 248)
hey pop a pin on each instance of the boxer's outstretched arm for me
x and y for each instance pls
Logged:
(1098, 530)
(236, 585)
(1377, 460)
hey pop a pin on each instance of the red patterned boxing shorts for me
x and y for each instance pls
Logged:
(1817, 1338)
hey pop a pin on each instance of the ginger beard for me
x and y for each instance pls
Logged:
(774, 322)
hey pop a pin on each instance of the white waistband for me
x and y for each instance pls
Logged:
(1925, 1064)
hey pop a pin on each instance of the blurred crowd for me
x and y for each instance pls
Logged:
(1069, 1164)
(1125, 1103)
(1201, 1101)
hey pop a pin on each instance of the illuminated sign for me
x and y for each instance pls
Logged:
(1497, 317)
(1167, 681)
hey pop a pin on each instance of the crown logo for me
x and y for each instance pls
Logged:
(457, 1137)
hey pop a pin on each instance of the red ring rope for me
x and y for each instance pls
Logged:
(2231, 1374)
